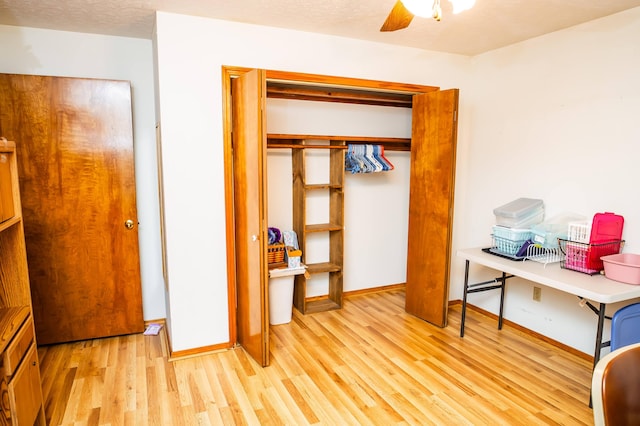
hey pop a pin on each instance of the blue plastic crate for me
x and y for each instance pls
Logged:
(508, 246)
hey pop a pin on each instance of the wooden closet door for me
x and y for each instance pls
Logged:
(433, 154)
(75, 153)
(250, 208)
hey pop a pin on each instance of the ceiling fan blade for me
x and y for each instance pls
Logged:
(398, 18)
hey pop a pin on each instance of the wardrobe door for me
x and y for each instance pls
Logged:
(433, 152)
(250, 201)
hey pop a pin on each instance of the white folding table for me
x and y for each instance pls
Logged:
(595, 288)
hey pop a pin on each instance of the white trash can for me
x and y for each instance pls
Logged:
(281, 294)
(280, 300)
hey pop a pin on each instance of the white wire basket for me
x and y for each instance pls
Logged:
(579, 232)
(544, 255)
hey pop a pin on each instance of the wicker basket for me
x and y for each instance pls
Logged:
(275, 253)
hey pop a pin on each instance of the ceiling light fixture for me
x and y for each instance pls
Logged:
(423, 9)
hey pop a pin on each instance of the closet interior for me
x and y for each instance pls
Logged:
(333, 229)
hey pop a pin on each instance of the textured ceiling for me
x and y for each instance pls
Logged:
(489, 25)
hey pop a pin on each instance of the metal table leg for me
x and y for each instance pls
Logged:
(464, 297)
(496, 283)
(599, 346)
(503, 281)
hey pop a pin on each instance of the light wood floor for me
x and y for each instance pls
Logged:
(369, 363)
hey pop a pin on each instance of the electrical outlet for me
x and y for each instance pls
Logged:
(537, 294)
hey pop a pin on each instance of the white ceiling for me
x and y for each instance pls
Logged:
(489, 25)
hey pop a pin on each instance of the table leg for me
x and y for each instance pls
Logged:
(503, 285)
(601, 318)
(464, 297)
(596, 354)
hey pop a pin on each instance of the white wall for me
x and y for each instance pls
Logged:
(191, 52)
(554, 118)
(58, 53)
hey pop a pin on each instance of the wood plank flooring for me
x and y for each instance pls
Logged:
(367, 364)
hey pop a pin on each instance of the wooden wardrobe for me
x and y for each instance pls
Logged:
(433, 148)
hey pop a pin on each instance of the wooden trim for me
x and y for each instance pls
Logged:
(323, 88)
(165, 339)
(205, 350)
(227, 74)
(527, 331)
(188, 353)
(161, 321)
(161, 205)
(354, 293)
(371, 290)
(333, 82)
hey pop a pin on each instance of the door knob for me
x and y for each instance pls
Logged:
(128, 224)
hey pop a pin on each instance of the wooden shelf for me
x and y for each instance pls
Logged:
(277, 265)
(318, 268)
(323, 227)
(10, 222)
(295, 141)
(321, 305)
(334, 228)
(317, 186)
(10, 321)
(342, 95)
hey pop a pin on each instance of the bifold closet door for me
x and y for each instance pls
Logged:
(74, 139)
(433, 155)
(250, 212)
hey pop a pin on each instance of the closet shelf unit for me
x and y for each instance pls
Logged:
(20, 385)
(334, 229)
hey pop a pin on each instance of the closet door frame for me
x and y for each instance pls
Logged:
(302, 86)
